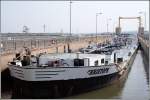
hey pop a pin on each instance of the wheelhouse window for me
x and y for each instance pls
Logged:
(119, 60)
(102, 61)
(96, 63)
(106, 62)
(78, 62)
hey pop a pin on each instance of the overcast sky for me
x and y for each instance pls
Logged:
(55, 15)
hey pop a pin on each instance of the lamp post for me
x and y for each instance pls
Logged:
(142, 12)
(44, 28)
(108, 23)
(96, 24)
(114, 27)
(70, 30)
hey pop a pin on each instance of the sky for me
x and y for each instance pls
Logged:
(56, 16)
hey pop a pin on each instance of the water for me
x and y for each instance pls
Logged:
(134, 87)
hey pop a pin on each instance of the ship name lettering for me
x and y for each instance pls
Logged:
(98, 71)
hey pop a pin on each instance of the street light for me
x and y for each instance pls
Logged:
(109, 19)
(96, 24)
(70, 30)
(142, 12)
(114, 27)
(44, 28)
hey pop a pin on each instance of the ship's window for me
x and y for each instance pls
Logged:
(106, 62)
(102, 61)
(119, 60)
(78, 62)
(96, 63)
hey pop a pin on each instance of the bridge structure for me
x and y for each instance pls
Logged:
(140, 28)
(143, 37)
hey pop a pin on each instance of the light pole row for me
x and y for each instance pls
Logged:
(109, 19)
(96, 24)
(69, 50)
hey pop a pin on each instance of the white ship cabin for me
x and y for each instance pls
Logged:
(75, 59)
(66, 60)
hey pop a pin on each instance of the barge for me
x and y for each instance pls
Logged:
(57, 75)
